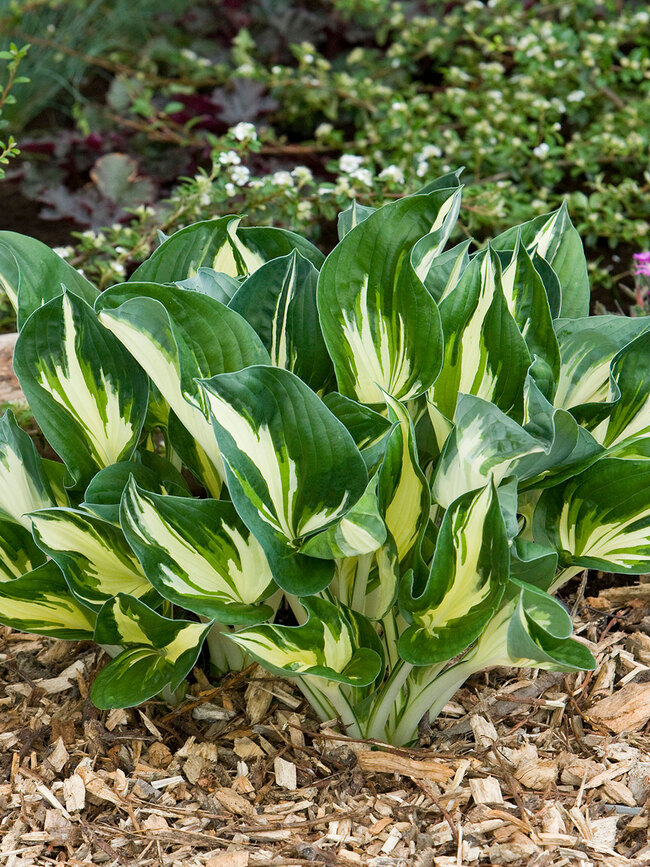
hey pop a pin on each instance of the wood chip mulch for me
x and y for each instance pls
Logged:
(538, 769)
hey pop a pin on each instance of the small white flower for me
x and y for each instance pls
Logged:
(229, 158)
(323, 129)
(541, 150)
(188, 54)
(362, 175)
(304, 210)
(230, 189)
(422, 169)
(120, 250)
(119, 269)
(276, 70)
(429, 151)
(282, 179)
(308, 58)
(350, 163)
(392, 173)
(239, 175)
(576, 96)
(302, 174)
(204, 199)
(244, 132)
(398, 106)
(63, 252)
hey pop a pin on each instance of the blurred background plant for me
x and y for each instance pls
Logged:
(148, 114)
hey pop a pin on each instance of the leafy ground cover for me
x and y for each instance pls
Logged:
(348, 99)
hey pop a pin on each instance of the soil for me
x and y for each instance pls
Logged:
(524, 768)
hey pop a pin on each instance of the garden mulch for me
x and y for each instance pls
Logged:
(524, 768)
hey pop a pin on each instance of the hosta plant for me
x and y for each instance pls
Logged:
(369, 472)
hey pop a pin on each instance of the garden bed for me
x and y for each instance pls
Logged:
(522, 770)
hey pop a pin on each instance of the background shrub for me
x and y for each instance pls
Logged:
(350, 99)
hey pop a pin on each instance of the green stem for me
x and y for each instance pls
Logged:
(564, 576)
(224, 653)
(385, 703)
(361, 583)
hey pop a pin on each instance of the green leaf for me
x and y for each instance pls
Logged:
(538, 634)
(629, 394)
(467, 579)
(41, 602)
(367, 427)
(177, 337)
(259, 244)
(335, 643)
(446, 269)
(554, 238)
(403, 488)
(527, 302)
(351, 217)
(587, 348)
(159, 652)
(18, 551)
(292, 468)
(199, 555)
(204, 244)
(213, 283)
(600, 519)
(381, 326)
(85, 391)
(92, 554)
(484, 443)
(104, 493)
(24, 485)
(279, 301)
(485, 353)
(361, 531)
(31, 274)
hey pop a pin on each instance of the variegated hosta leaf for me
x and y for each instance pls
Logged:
(351, 217)
(178, 336)
(485, 353)
(403, 489)
(629, 394)
(279, 301)
(428, 248)
(361, 531)
(526, 298)
(24, 485)
(216, 284)
(446, 269)
(538, 634)
(31, 274)
(381, 326)
(533, 563)
(182, 254)
(152, 472)
(367, 427)
(92, 554)
(198, 554)
(258, 244)
(600, 519)
(484, 442)
(159, 652)
(467, 579)
(85, 391)
(41, 602)
(553, 237)
(292, 467)
(18, 551)
(335, 643)
(587, 349)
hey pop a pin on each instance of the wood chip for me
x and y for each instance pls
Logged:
(486, 791)
(74, 792)
(628, 709)
(285, 774)
(228, 859)
(392, 763)
(234, 803)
